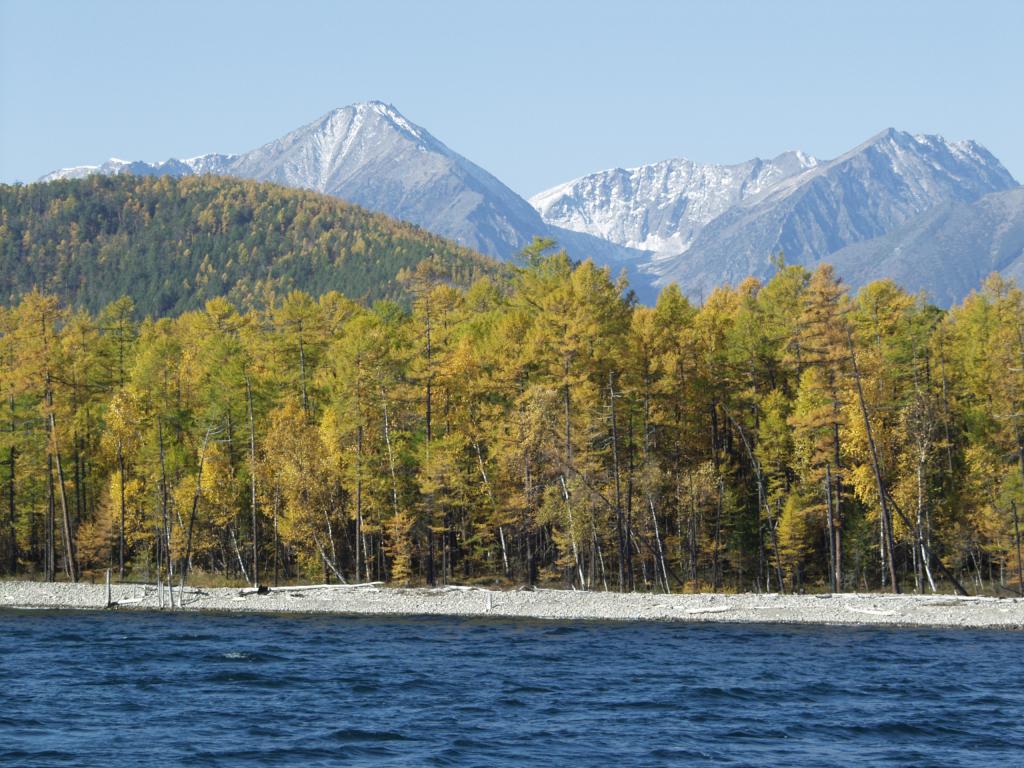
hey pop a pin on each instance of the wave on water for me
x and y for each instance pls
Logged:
(161, 690)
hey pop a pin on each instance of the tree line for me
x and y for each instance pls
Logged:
(543, 428)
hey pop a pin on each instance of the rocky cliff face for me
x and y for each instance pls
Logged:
(718, 224)
(663, 206)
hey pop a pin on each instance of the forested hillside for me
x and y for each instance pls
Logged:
(782, 436)
(172, 244)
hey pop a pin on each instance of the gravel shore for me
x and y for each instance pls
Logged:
(559, 605)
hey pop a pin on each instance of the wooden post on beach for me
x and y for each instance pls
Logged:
(108, 588)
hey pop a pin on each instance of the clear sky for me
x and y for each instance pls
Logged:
(535, 92)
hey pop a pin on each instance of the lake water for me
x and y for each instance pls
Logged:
(95, 689)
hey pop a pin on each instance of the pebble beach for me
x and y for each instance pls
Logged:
(543, 604)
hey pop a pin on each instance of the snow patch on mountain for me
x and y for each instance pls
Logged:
(863, 194)
(662, 206)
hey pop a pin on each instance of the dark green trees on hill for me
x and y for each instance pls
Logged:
(173, 244)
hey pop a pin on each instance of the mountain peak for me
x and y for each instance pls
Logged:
(964, 162)
(887, 137)
(368, 115)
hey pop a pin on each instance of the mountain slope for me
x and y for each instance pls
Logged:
(661, 207)
(946, 251)
(716, 224)
(869, 191)
(172, 244)
(369, 154)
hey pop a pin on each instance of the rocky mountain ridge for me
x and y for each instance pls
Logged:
(697, 224)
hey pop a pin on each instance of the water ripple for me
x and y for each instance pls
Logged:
(82, 689)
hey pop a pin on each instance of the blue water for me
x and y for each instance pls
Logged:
(95, 689)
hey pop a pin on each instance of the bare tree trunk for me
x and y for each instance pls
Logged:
(494, 505)
(938, 561)
(1020, 459)
(645, 460)
(334, 551)
(328, 565)
(977, 570)
(71, 564)
(186, 562)
(238, 554)
(657, 541)
(428, 412)
(882, 496)
(572, 532)
(927, 567)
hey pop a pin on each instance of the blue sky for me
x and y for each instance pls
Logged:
(535, 92)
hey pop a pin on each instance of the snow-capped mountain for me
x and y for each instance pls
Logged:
(700, 225)
(370, 154)
(662, 206)
(867, 192)
(718, 224)
(113, 166)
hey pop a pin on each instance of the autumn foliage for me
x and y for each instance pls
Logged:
(540, 428)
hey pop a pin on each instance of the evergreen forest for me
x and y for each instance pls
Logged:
(173, 244)
(448, 422)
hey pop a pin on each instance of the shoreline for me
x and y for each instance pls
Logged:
(846, 609)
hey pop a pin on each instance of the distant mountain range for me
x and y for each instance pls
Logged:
(933, 214)
(369, 154)
(711, 225)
